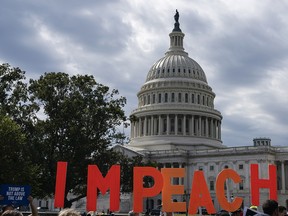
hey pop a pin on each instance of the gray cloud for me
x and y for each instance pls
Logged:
(241, 46)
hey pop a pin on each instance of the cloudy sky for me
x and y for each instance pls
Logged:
(241, 45)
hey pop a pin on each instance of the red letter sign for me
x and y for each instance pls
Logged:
(60, 184)
(139, 192)
(200, 195)
(220, 191)
(95, 180)
(257, 183)
(169, 190)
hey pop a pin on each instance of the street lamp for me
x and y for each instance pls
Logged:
(186, 198)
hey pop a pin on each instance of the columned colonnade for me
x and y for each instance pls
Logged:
(283, 177)
(176, 124)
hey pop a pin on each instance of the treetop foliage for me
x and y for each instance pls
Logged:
(57, 117)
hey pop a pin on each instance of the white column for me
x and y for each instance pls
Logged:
(152, 125)
(211, 128)
(216, 128)
(136, 129)
(247, 180)
(206, 126)
(200, 126)
(168, 125)
(145, 126)
(219, 130)
(184, 125)
(160, 125)
(283, 176)
(176, 124)
(192, 126)
(148, 126)
(140, 126)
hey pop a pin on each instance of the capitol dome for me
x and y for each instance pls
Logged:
(176, 104)
(176, 64)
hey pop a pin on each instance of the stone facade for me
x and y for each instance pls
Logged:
(176, 125)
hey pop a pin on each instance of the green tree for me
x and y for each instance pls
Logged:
(15, 166)
(16, 125)
(127, 164)
(79, 121)
(14, 99)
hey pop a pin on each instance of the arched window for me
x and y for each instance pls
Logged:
(179, 97)
(173, 97)
(186, 97)
(159, 98)
(198, 99)
(193, 99)
(154, 99)
(166, 98)
(148, 102)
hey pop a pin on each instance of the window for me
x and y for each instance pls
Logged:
(241, 186)
(240, 166)
(148, 99)
(186, 97)
(203, 100)
(166, 98)
(211, 168)
(153, 100)
(144, 100)
(211, 184)
(193, 98)
(159, 98)
(172, 97)
(198, 99)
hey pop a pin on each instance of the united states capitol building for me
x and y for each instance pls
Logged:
(177, 125)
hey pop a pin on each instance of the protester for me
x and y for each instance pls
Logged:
(69, 212)
(270, 207)
(254, 207)
(282, 211)
(12, 213)
(34, 211)
(7, 207)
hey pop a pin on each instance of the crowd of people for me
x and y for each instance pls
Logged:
(269, 207)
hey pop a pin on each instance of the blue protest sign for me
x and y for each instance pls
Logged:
(16, 195)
